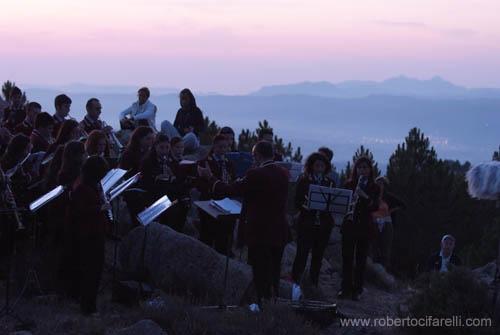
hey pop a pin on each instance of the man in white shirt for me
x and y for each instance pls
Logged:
(141, 111)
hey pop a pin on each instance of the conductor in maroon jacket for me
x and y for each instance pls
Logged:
(264, 230)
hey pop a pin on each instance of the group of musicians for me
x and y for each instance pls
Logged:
(45, 150)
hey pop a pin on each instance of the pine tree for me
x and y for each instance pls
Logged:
(211, 130)
(496, 154)
(7, 88)
(297, 156)
(246, 140)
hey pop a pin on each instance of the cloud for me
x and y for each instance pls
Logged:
(453, 32)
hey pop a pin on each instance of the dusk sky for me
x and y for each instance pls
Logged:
(236, 46)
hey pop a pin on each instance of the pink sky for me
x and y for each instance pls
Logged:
(235, 46)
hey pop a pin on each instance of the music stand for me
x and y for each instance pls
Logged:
(145, 218)
(336, 201)
(225, 211)
(8, 309)
(111, 192)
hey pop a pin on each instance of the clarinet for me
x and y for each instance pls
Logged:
(11, 202)
(109, 212)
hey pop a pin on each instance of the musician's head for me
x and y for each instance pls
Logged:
(62, 103)
(96, 143)
(93, 108)
(382, 182)
(93, 170)
(142, 139)
(143, 95)
(220, 146)
(161, 146)
(327, 152)
(33, 109)
(177, 147)
(317, 165)
(362, 167)
(187, 99)
(228, 132)
(267, 135)
(44, 124)
(69, 131)
(19, 147)
(447, 245)
(73, 156)
(262, 152)
(16, 96)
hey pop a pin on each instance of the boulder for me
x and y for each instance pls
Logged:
(143, 327)
(486, 273)
(176, 262)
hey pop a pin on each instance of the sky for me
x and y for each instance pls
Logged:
(237, 46)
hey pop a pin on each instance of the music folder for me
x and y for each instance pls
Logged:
(46, 198)
(152, 212)
(225, 208)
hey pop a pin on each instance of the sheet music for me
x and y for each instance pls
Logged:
(333, 200)
(111, 178)
(227, 206)
(152, 212)
(46, 198)
(186, 162)
(294, 169)
(123, 186)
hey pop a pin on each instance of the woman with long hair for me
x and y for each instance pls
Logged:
(313, 227)
(87, 217)
(228, 132)
(357, 229)
(137, 148)
(188, 123)
(97, 144)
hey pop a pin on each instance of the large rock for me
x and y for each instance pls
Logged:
(143, 327)
(177, 262)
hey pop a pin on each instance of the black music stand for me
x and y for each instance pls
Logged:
(225, 211)
(111, 192)
(145, 218)
(326, 199)
(8, 309)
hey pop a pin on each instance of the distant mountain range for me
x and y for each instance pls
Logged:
(435, 87)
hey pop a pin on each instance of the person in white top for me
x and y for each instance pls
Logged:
(445, 259)
(142, 112)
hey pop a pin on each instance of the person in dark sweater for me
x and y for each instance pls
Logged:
(263, 224)
(26, 127)
(87, 217)
(313, 227)
(267, 135)
(62, 104)
(41, 137)
(160, 176)
(358, 230)
(445, 259)
(214, 233)
(188, 123)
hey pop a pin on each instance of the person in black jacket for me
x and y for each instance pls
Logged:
(161, 176)
(358, 229)
(313, 227)
(188, 123)
(383, 219)
(445, 259)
